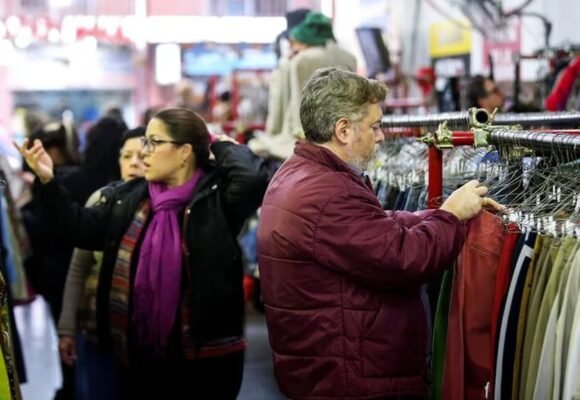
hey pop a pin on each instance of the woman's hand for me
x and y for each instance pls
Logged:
(37, 159)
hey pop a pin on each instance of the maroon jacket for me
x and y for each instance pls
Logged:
(341, 281)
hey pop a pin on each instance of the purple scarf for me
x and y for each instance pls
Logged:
(157, 288)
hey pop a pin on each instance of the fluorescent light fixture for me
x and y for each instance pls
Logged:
(197, 29)
(167, 64)
(7, 52)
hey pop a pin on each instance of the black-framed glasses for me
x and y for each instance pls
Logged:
(151, 144)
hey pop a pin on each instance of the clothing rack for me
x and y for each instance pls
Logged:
(566, 140)
(476, 127)
(476, 117)
(455, 120)
(539, 140)
(561, 119)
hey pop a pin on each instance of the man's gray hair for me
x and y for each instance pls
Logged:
(334, 93)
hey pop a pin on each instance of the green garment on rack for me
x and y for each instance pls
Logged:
(440, 333)
(9, 383)
(5, 392)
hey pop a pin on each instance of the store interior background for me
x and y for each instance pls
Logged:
(76, 58)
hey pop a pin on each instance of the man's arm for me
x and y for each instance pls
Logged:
(377, 249)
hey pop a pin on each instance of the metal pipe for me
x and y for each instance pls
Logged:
(435, 189)
(570, 119)
(455, 120)
(402, 132)
(536, 139)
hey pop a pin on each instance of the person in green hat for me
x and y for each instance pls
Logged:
(313, 46)
(315, 30)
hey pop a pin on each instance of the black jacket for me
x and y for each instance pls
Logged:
(231, 190)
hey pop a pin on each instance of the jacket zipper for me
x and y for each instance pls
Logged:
(185, 248)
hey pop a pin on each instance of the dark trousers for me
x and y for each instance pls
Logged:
(216, 378)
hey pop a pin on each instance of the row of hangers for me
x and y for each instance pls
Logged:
(540, 187)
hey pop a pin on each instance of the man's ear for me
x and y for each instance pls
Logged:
(342, 129)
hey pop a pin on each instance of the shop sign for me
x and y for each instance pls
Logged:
(450, 38)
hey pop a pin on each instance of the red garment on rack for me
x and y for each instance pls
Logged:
(558, 97)
(468, 355)
(502, 284)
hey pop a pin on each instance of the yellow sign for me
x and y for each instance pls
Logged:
(450, 38)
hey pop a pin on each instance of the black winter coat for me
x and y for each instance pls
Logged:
(231, 190)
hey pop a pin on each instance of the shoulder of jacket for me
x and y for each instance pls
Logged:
(118, 191)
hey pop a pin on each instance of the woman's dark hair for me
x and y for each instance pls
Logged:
(132, 134)
(476, 90)
(186, 126)
(101, 157)
(55, 135)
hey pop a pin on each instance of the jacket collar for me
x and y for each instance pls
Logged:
(323, 156)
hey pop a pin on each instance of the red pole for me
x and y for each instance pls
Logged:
(435, 177)
(462, 139)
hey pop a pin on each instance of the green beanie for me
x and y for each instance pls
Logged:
(315, 30)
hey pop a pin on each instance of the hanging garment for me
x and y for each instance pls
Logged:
(468, 351)
(522, 317)
(543, 317)
(565, 322)
(548, 377)
(502, 282)
(571, 387)
(549, 253)
(508, 318)
(9, 383)
(440, 334)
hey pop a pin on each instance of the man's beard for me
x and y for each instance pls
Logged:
(363, 163)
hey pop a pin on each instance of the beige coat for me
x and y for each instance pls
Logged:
(283, 126)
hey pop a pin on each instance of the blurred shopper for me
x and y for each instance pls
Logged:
(149, 113)
(340, 276)
(282, 43)
(170, 290)
(52, 252)
(482, 92)
(313, 47)
(94, 364)
(279, 95)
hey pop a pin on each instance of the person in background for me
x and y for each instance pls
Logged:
(52, 252)
(340, 276)
(282, 42)
(279, 95)
(149, 113)
(170, 293)
(117, 114)
(482, 92)
(313, 46)
(94, 364)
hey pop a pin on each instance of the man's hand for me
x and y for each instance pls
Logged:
(467, 201)
(37, 159)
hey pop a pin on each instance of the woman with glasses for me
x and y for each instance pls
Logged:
(170, 297)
